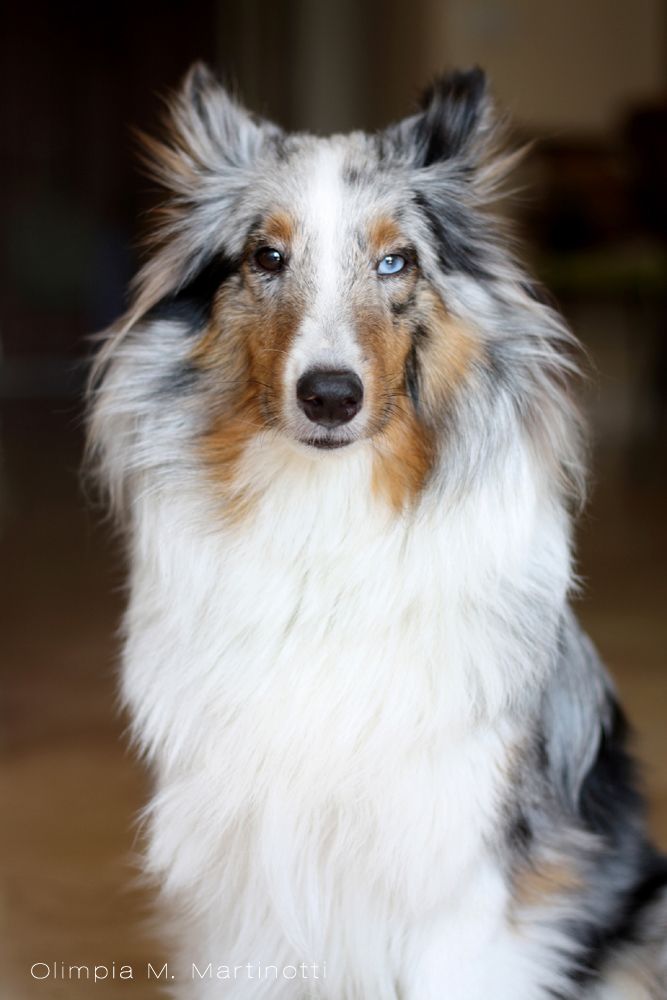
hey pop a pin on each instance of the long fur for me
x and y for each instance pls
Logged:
(380, 741)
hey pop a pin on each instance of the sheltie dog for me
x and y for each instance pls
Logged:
(337, 425)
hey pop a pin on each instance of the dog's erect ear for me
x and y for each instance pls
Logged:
(207, 132)
(204, 159)
(454, 121)
(454, 111)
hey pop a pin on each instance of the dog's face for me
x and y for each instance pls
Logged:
(325, 302)
(330, 288)
(330, 303)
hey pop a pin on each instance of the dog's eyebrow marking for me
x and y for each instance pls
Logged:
(278, 227)
(384, 235)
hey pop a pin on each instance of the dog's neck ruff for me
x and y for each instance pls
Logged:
(453, 604)
(325, 662)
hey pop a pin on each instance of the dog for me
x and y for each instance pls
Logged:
(338, 426)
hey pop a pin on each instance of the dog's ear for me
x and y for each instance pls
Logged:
(454, 121)
(209, 145)
(207, 133)
(456, 139)
(455, 110)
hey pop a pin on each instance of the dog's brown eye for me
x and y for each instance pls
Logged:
(269, 259)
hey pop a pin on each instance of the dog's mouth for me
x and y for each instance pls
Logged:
(326, 443)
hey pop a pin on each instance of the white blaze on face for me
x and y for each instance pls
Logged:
(326, 337)
(325, 223)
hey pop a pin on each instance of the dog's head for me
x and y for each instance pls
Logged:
(334, 290)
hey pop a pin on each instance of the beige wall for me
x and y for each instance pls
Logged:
(558, 64)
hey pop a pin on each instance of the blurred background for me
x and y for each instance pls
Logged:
(586, 81)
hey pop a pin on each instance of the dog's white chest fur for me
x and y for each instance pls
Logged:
(324, 689)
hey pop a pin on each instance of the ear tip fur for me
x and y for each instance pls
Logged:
(453, 113)
(198, 78)
(459, 84)
(199, 72)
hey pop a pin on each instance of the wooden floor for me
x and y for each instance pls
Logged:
(71, 791)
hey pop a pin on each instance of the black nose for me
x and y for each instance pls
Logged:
(329, 398)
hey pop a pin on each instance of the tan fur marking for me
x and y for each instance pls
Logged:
(404, 454)
(384, 236)
(223, 447)
(535, 886)
(403, 445)
(247, 350)
(279, 228)
(165, 162)
(449, 354)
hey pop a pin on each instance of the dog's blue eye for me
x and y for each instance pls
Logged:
(391, 264)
